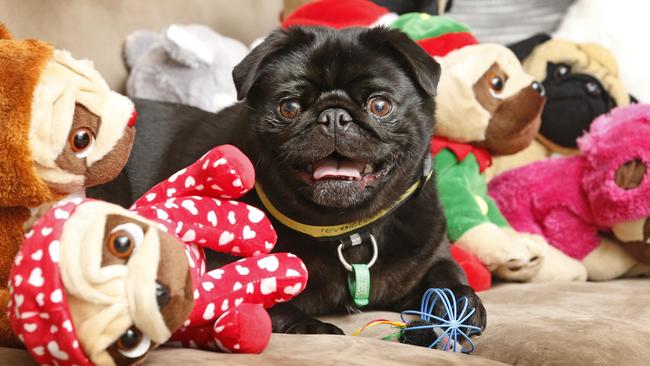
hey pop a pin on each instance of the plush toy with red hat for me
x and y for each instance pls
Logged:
(61, 130)
(571, 200)
(486, 105)
(97, 284)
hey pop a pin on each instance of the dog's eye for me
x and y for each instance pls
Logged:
(81, 141)
(496, 83)
(379, 106)
(124, 239)
(593, 89)
(562, 71)
(290, 108)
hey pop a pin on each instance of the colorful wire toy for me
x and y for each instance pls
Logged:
(451, 324)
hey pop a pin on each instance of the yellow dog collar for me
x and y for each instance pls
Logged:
(333, 231)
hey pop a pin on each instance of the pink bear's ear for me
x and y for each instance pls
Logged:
(240, 163)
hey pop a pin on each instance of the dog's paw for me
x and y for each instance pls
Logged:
(313, 326)
(478, 318)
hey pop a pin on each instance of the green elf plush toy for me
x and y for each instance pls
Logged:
(486, 105)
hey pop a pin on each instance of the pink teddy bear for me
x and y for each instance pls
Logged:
(594, 207)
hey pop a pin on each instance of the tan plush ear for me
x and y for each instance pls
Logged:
(630, 175)
(4, 32)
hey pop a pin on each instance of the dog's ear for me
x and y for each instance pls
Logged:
(422, 67)
(524, 48)
(246, 73)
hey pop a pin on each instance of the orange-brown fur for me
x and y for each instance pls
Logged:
(21, 64)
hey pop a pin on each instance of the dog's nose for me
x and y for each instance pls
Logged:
(335, 117)
(537, 86)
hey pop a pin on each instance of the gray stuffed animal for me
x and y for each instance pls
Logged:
(187, 64)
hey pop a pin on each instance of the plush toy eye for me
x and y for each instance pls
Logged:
(290, 108)
(162, 295)
(132, 343)
(379, 106)
(124, 239)
(562, 71)
(81, 142)
(593, 89)
(496, 83)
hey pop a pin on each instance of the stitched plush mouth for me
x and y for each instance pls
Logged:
(336, 167)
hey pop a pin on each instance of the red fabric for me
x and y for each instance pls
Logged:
(38, 308)
(336, 14)
(442, 45)
(478, 275)
(189, 205)
(462, 150)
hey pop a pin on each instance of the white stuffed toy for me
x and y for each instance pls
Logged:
(621, 27)
(187, 64)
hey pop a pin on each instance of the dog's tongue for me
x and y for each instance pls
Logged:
(337, 169)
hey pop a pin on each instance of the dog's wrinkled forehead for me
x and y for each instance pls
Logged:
(336, 59)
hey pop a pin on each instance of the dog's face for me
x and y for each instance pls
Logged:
(342, 119)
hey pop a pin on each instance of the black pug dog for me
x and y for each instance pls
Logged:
(337, 124)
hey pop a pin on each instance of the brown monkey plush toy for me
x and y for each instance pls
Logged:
(61, 130)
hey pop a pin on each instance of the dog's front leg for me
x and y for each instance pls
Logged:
(286, 318)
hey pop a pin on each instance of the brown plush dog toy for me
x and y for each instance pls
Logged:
(62, 130)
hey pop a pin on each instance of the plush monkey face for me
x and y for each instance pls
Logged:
(486, 98)
(128, 283)
(81, 132)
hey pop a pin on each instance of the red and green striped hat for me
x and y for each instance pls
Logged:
(438, 35)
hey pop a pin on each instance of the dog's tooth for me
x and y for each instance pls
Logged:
(368, 169)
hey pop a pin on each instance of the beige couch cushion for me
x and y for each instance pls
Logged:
(293, 350)
(96, 29)
(573, 324)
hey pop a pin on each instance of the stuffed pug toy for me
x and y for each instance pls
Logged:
(138, 278)
(570, 200)
(486, 105)
(63, 130)
(186, 64)
(581, 81)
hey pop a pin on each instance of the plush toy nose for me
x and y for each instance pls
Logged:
(537, 86)
(335, 117)
(133, 119)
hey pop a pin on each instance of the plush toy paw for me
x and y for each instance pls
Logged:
(527, 268)
(509, 255)
(245, 329)
(313, 326)
(558, 266)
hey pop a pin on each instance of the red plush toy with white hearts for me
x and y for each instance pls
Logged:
(97, 284)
